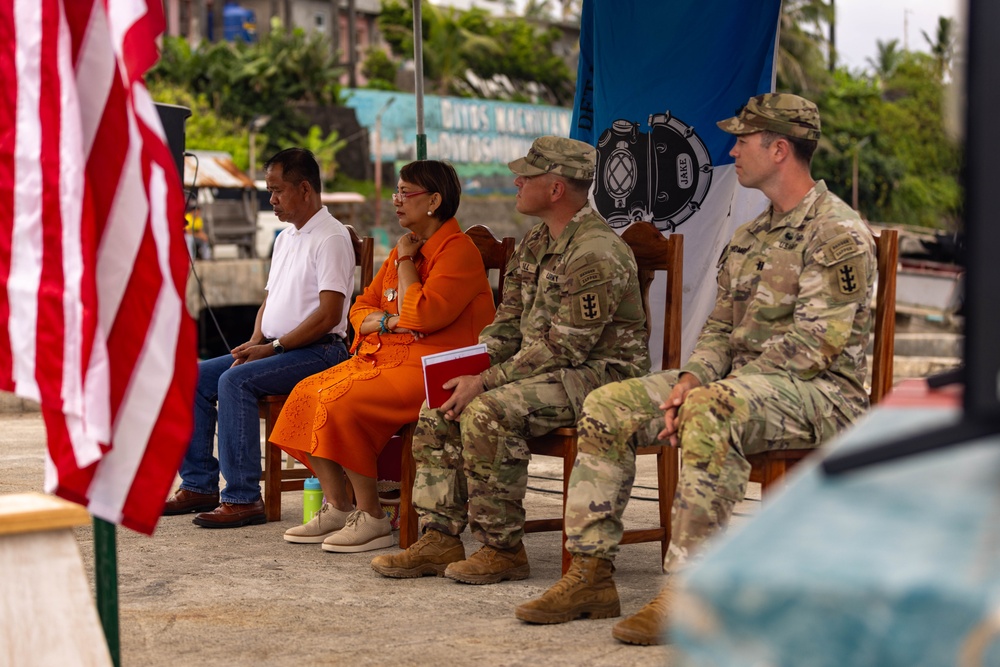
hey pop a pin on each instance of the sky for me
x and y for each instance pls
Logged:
(861, 22)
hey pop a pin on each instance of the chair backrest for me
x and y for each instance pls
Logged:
(884, 331)
(364, 259)
(364, 256)
(496, 253)
(654, 252)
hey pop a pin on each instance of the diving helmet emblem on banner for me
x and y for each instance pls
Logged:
(662, 176)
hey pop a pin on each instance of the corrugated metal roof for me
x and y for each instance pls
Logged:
(215, 170)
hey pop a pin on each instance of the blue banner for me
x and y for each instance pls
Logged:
(654, 77)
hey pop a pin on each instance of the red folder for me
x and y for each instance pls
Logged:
(441, 367)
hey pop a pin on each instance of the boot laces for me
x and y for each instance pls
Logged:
(427, 541)
(487, 553)
(569, 580)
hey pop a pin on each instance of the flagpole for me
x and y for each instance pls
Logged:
(106, 576)
(418, 78)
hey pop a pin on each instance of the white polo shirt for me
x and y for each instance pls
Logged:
(304, 263)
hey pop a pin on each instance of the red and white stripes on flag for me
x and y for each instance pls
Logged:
(92, 256)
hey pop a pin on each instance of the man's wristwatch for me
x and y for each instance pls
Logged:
(278, 347)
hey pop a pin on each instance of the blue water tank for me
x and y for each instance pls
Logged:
(238, 23)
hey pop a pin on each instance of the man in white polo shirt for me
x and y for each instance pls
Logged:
(300, 331)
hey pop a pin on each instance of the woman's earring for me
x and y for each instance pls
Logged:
(430, 212)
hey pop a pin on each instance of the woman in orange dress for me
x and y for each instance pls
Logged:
(431, 295)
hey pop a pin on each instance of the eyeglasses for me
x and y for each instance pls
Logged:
(398, 197)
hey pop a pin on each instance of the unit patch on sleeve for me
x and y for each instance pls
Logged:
(590, 306)
(850, 277)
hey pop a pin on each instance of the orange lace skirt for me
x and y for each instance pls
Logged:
(348, 412)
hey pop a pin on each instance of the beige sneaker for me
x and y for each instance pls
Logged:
(326, 522)
(362, 532)
(431, 554)
(490, 565)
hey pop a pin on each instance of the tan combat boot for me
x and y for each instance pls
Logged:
(431, 554)
(648, 625)
(586, 590)
(490, 565)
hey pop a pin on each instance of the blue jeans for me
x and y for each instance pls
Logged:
(236, 390)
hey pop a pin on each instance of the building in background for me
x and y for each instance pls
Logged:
(196, 20)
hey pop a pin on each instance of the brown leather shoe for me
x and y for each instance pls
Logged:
(229, 515)
(185, 502)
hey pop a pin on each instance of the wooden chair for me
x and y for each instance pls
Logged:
(278, 479)
(496, 254)
(653, 252)
(768, 468)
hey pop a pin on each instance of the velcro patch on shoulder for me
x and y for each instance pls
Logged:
(841, 247)
(588, 276)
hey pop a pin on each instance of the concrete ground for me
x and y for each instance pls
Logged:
(194, 596)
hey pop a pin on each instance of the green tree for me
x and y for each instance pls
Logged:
(942, 46)
(909, 167)
(205, 129)
(448, 47)
(514, 52)
(886, 59)
(800, 64)
(240, 81)
(539, 10)
(379, 69)
(324, 147)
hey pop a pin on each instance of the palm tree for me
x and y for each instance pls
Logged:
(800, 64)
(943, 44)
(448, 47)
(887, 59)
(508, 5)
(571, 9)
(325, 148)
(538, 10)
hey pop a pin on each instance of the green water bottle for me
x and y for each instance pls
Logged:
(312, 499)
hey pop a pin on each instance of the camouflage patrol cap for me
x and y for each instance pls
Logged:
(557, 155)
(783, 113)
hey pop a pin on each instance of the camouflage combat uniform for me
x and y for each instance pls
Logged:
(782, 364)
(571, 319)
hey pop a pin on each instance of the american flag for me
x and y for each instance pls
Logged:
(92, 256)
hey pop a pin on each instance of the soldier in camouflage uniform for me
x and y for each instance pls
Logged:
(780, 363)
(570, 320)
